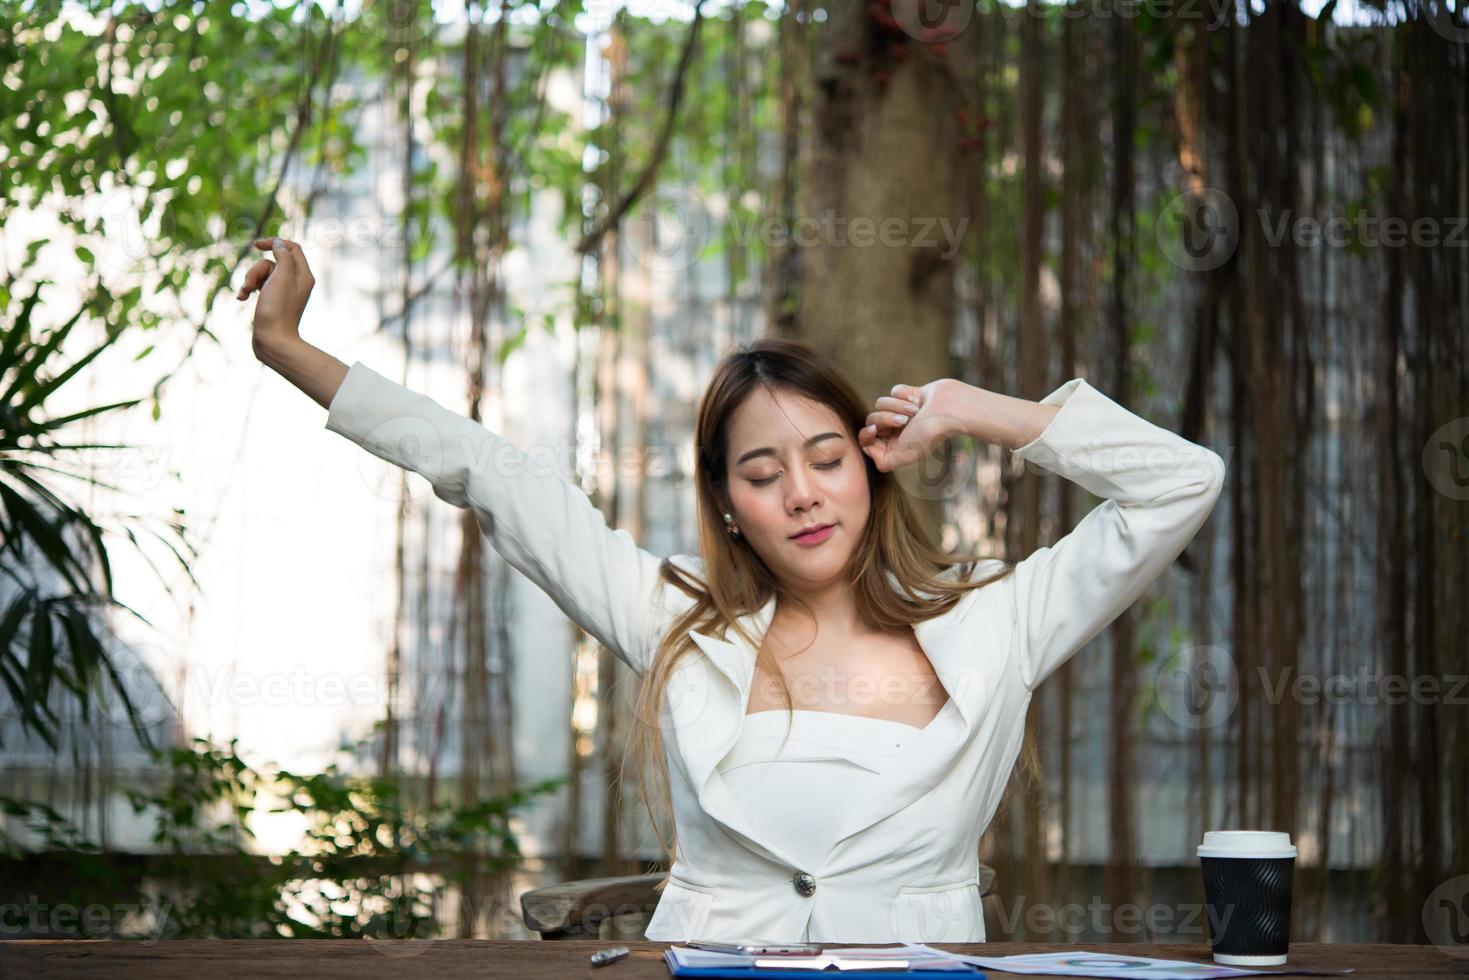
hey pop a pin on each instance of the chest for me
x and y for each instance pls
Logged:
(884, 676)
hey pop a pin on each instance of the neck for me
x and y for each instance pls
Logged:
(834, 607)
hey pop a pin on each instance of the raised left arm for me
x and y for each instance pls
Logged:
(1158, 488)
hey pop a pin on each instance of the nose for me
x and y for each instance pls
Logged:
(803, 495)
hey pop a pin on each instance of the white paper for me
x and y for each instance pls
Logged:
(1082, 963)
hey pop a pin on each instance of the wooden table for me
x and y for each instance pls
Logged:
(449, 959)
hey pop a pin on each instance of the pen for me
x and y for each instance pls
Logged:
(604, 956)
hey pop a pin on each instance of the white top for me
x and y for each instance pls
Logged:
(794, 792)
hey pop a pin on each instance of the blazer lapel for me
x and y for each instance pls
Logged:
(709, 717)
(708, 726)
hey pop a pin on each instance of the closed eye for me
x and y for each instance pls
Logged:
(820, 466)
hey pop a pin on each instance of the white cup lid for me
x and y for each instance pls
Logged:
(1247, 844)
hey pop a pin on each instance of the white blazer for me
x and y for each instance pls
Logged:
(905, 863)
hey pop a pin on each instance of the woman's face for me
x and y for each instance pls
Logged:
(778, 485)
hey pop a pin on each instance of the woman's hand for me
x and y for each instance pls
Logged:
(285, 286)
(909, 424)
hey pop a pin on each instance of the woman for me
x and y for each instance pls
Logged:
(833, 704)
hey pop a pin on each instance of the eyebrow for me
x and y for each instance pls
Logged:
(767, 451)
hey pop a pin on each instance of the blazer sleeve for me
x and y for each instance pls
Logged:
(543, 525)
(1157, 488)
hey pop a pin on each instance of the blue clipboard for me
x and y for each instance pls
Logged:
(973, 973)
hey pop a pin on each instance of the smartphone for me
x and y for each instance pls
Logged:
(757, 949)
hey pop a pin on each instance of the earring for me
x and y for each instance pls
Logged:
(731, 529)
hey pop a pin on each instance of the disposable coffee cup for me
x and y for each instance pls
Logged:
(1247, 890)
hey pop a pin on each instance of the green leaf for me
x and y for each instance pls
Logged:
(46, 535)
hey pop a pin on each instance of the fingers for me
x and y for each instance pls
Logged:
(255, 278)
(893, 412)
(289, 258)
(281, 250)
(877, 447)
(905, 406)
(907, 393)
(894, 419)
(288, 254)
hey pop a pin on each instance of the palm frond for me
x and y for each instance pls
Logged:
(51, 632)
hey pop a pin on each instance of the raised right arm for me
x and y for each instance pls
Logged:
(545, 526)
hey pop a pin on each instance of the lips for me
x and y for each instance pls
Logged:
(810, 530)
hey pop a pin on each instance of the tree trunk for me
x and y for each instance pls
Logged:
(878, 281)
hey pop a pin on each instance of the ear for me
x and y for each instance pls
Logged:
(721, 499)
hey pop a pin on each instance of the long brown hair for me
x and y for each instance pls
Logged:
(736, 581)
